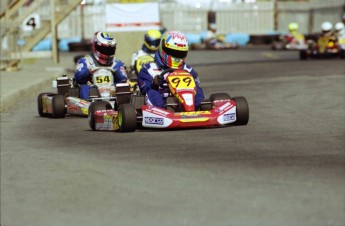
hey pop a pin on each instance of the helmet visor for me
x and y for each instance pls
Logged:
(153, 42)
(175, 53)
(106, 50)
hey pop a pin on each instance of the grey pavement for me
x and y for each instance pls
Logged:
(33, 76)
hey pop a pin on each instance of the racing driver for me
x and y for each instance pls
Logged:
(102, 55)
(150, 46)
(171, 53)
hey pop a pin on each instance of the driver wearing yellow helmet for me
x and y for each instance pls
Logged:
(294, 36)
(150, 46)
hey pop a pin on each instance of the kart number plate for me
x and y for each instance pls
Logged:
(101, 79)
(181, 81)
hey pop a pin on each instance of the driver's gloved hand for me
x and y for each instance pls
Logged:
(159, 80)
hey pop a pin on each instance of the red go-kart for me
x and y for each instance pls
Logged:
(219, 110)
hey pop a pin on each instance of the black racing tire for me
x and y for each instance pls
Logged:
(127, 118)
(206, 105)
(274, 47)
(342, 53)
(40, 105)
(242, 110)
(219, 96)
(96, 106)
(303, 55)
(58, 106)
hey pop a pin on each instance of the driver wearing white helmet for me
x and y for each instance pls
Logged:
(102, 55)
(339, 29)
(340, 33)
(327, 30)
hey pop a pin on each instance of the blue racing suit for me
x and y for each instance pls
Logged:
(85, 67)
(156, 95)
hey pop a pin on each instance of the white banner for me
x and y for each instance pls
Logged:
(132, 17)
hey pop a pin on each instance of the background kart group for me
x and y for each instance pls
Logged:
(122, 107)
(330, 43)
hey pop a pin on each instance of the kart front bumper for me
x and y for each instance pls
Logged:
(154, 117)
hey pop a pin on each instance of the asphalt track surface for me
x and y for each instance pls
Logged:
(286, 167)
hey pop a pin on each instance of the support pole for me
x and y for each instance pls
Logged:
(53, 32)
(275, 15)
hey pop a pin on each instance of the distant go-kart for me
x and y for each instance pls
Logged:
(219, 110)
(67, 101)
(289, 42)
(217, 43)
(325, 47)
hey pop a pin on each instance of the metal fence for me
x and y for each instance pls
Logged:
(83, 22)
(310, 15)
(250, 18)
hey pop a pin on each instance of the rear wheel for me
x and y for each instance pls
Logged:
(342, 53)
(303, 55)
(127, 118)
(206, 105)
(96, 106)
(216, 97)
(40, 105)
(242, 111)
(58, 104)
(276, 45)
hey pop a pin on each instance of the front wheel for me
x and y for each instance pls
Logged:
(58, 104)
(342, 53)
(127, 118)
(206, 105)
(242, 111)
(303, 55)
(40, 104)
(96, 106)
(215, 98)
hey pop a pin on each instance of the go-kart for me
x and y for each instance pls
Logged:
(67, 100)
(219, 110)
(325, 47)
(217, 43)
(289, 42)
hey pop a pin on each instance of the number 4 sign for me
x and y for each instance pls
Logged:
(32, 22)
